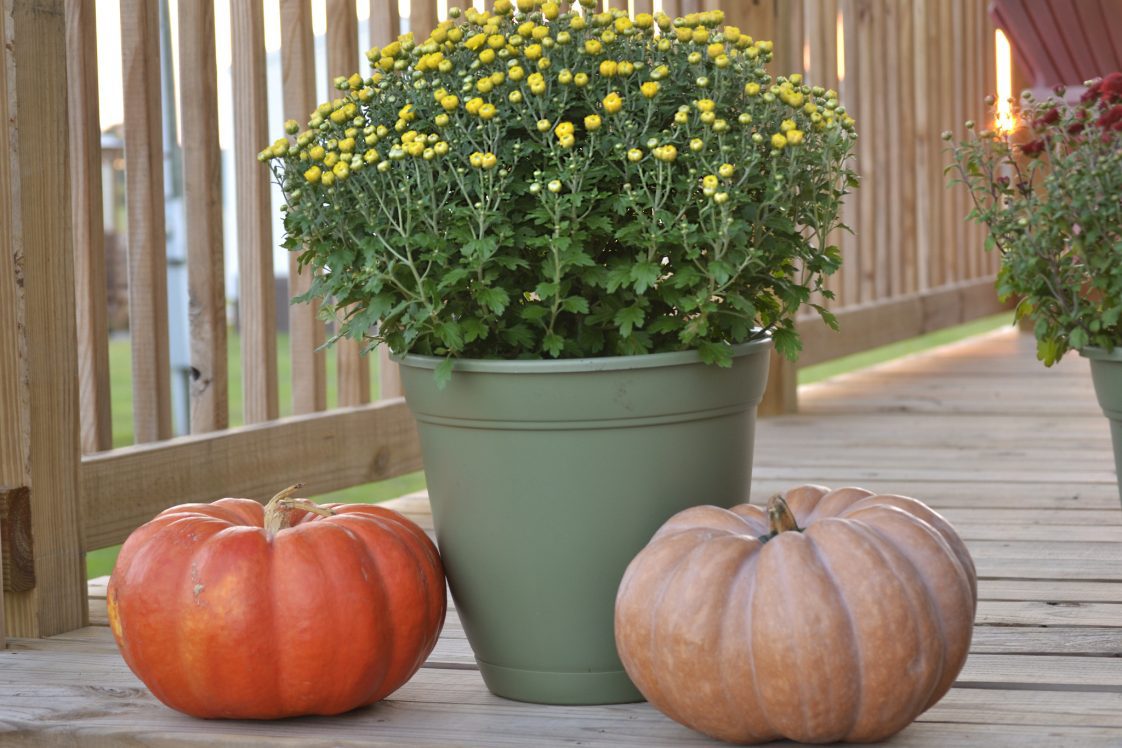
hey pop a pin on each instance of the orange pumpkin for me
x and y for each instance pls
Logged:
(238, 611)
(834, 615)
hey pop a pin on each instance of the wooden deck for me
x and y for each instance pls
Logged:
(1017, 457)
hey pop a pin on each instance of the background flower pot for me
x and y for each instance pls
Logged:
(547, 477)
(1106, 373)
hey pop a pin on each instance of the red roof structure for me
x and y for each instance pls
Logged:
(1062, 41)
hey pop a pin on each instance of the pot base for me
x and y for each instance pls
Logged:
(570, 689)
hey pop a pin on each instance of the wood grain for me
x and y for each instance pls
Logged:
(17, 551)
(202, 186)
(306, 330)
(325, 451)
(89, 230)
(256, 299)
(41, 241)
(147, 240)
(422, 18)
(353, 368)
(385, 22)
(12, 394)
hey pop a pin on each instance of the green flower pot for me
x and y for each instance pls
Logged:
(1106, 373)
(547, 477)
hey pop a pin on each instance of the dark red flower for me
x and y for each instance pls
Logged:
(1075, 129)
(1110, 117)
(1092, 92)
(1112, 86)
(1050, 117)
(1033, 148)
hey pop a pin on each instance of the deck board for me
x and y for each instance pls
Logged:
(1016, 456)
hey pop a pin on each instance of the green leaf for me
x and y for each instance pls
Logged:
(533, 312)
(495, 299)
(474, 329)
(450, 335)
(575, 304)
(443, 373)
(644, 275)
(1078, 339)
(719, 354)
(553, 344)
(627, 318)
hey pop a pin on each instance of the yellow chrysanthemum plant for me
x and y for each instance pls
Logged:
(538, 182)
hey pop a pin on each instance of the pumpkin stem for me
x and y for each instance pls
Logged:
(779, 516)
(278, 512)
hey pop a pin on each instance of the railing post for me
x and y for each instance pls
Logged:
(39, 422)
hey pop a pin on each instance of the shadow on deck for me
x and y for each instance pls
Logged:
(1017, 457)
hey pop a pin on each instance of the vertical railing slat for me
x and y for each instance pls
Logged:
(12, 469)
(385, 22)
(202, 182)
(866, 104)
(89, 229)
(850, 282)
(353, 369)
(38, 243)
(147, 248)
(944, 119)
(957, 196)
(306, 330)
(644, 6)
(907, 243)
(895, 249)
(256, 298)
(875, 114)
(924, 213)
(422, 18)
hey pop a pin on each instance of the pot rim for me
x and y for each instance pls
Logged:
(554, 366)
(1101, 354)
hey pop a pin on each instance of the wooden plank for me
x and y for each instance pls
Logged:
(422, 18)
(872, 325)
(959, 256)
(863, 108)
(781, 396)
(385, 22)
(256, 296)
(306, 330)
(849, 283)
(643, 6)
(89, 231)
(353, 368)
(1059, 640)
(326, 451)
(1009, 613)
(1042, 673)
(12, 401)
(147, 256)
(202, 187)
(944, 119)
(920, 137)
(41, 241)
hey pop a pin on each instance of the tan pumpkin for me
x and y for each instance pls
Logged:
(832, 615)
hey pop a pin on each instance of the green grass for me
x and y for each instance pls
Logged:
(846, 364)
(100, 562)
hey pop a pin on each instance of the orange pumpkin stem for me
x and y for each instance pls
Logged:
(278, 512)
(779, 516)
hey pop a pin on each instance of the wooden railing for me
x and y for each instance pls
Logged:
(912, 68)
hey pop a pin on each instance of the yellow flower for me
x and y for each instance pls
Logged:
(612, 103)
(563, 129)
(487, 56)
(635, 155)
(327, 179)
(626, 68)
(752, 89)
(313, 174)
(540, 32)
(681, 118)
(291, 126)
(473, 106)
(441, 148)
(705, 105)
(330, 159)
(667, 153)
(577, 23)
(526, 5)
(794, 137)
(592, 122)
(484, 85)
(778, 141)
(516, 73)
(568, 141)
(649, 89)
(715, 50)
(709, 181)
(726, 170)
(347, 145)
(476, 41)
(608, 68)
(795, 78)
(644, 20)
(476, 159)
(487, 111)
(708, 118)
(489, 160)
(515, 96)
(697, 144)
(339, 116)
(341, 170)
(544, 125)
(684, 34)
(787, 124)
(496, 41)
(565, 77)
(592, 46)
(700, 35)
(441, 120)
(416, 148)
(732, 34)
(580, 80)
(550, 10)
(450, 102)
(533, 51)
(371, 156)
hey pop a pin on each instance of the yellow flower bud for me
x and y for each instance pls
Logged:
(341, 170)
(752, 89)
(441, 148)
(317, 153)
(473, 105)
(787, 124)
(726, 170)
(476, 159)
(635, 155)
(592, 122)
(649, 89)
(371, 156)
(592, 46)
(544, 125)
(794, 137)
(778, 141)
(489, 160)
(339, 116)
(551, 10)
(487, 111)
(580, 80)
(612, 103)
(327, 179)
(533, 51)
(484, 85)
(441, 120)
(450, 102)
(516, 73)
(710, 181)
(347, 145)
(313, 174)
(487, 56)
(644, 20)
